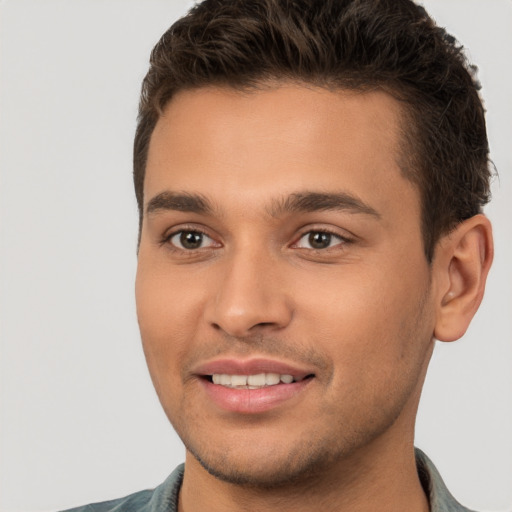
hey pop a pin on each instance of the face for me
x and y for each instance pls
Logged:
(283, 295)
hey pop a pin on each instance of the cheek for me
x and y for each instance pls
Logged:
(166, 301)
(166, 321)
(377, 343)
(369, 319)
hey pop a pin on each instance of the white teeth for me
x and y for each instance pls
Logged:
(239, 380)
(251, 381)
(256, 380)
(271, 379)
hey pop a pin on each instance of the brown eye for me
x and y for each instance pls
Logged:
(319, 240)
(190, 240)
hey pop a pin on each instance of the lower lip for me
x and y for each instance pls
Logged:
(252, 401)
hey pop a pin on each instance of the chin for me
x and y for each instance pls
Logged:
(266, 472)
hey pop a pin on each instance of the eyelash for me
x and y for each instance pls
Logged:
(166, 239)
(343, 240)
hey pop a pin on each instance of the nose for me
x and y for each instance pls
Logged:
(250, 297)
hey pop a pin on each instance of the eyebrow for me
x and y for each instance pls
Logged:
(182, 201)
(318, 201)
(299, 202)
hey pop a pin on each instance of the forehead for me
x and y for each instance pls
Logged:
(223, 143)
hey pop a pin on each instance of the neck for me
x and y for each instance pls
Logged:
(383, 478)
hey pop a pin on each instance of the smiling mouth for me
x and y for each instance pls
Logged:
(255, 381)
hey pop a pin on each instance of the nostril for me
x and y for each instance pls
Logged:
(263, 324)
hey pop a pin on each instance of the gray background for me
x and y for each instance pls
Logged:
(80, 421)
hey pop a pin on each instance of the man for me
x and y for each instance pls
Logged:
(310, 179)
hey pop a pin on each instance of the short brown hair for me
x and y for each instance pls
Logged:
(340, 44)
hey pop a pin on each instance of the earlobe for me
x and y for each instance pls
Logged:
(462, 262)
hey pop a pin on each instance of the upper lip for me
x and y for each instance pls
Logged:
(232, 366)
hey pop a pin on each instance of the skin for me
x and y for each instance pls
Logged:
(360, 313)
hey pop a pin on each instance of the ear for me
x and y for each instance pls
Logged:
(461, 264)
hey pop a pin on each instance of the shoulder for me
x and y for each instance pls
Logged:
(160, 499)
(440, 498)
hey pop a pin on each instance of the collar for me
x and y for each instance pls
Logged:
(439, 496)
